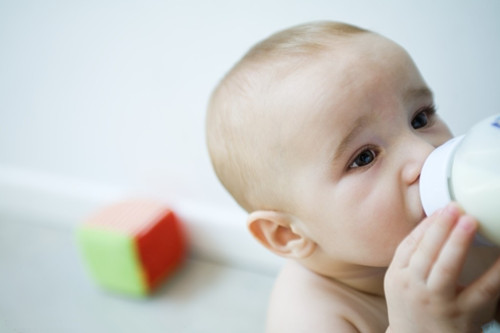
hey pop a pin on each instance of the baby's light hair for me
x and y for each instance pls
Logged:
(305, 39)
(241, 102)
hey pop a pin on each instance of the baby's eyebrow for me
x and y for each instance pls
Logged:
(415, 93)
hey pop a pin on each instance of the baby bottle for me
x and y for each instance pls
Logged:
(466, 169)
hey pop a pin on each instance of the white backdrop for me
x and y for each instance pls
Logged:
(113, 92)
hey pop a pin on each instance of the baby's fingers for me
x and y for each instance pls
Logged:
(449, 264)
(432, 244)
(407, 247)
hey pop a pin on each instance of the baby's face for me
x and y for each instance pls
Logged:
(364, 122)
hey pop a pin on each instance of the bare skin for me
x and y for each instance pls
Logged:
(454, 301)
(343, 140)
(371, 188)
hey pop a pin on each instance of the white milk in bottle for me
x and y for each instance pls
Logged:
(466, 169)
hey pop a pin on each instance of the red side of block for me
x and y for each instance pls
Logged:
(161, 248)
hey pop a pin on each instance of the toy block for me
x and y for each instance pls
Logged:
(131, 247)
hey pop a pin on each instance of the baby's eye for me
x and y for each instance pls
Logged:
(364, 158)
(423, 117)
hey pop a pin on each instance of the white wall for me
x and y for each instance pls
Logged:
(105, 98)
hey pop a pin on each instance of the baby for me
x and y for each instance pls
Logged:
(320, 133)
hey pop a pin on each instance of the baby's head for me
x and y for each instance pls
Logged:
(253, 109)
(320, 132)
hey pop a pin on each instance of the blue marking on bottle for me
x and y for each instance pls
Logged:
(496, 122)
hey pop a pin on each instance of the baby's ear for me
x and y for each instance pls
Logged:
(277, 232)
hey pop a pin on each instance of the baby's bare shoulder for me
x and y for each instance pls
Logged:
(303, 301)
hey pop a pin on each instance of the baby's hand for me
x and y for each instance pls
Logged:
(421, 284)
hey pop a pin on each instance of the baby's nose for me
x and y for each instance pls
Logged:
(416, 153)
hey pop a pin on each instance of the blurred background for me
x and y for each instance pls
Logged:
(102, 100)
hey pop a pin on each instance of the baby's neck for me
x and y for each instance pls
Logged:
(368, 280)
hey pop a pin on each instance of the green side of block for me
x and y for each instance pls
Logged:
(112, 260)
